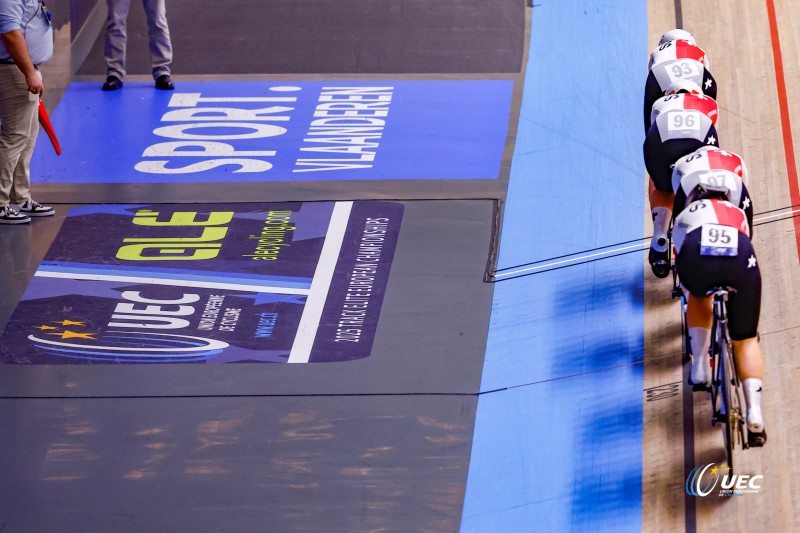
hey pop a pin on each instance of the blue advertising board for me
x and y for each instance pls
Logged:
(281, 282)
(259, 131)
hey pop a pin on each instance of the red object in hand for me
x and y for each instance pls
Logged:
(44, 120)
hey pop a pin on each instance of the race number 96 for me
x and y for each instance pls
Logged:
(684, 121)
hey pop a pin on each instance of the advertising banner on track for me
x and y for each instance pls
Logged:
(259, 131)
(280, 283)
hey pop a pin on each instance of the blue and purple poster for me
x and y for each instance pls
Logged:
(279, 283)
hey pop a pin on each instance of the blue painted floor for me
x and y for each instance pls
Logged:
(558, 437)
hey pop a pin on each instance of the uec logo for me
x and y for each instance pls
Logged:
(696, 485)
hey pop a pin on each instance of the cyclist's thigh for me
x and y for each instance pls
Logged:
(744, 306)
(659, 156)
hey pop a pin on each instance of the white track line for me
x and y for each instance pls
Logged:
(320, 284)
(572, 260)
(614, 250)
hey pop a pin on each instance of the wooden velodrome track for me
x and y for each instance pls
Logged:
(748, 47)
(741, 43)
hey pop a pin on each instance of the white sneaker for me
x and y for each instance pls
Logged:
(35, 209)
(8, 215)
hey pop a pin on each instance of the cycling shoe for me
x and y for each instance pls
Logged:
(659, 262)
(756, 440)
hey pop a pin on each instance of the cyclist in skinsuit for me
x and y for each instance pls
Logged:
(713, 249)
(682, 122)
(675, 61)
(712, 168)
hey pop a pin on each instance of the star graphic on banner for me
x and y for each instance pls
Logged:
(751, 262)
(712, 139)
(746, 202)
(44, 328)
(727, 469)
(70, 323)
(67, 334)
(714, 470)
(708, 83)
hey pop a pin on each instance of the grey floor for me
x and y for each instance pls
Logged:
(381, 443)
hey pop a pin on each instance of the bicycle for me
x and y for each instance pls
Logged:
(727, 396)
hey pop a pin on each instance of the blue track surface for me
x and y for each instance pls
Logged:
(558, 444)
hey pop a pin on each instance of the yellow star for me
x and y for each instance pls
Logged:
(727, 469)
(43, 327)
(71, 323)
(73, 335)
(714, 470)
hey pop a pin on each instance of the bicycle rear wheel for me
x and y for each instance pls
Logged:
(733, 427)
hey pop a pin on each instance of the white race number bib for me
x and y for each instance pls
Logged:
(719, 240)
(681, 70)
(684, 121)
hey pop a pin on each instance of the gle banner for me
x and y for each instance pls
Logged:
(276, 283)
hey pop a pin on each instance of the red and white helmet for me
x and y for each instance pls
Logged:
(677, 33)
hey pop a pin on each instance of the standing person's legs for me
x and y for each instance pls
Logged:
(20, 190)
(17, 113)
(158, 33)
(116, 37)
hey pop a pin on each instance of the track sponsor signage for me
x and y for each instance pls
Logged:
(704, 480)
(281, 283)
(279, 131)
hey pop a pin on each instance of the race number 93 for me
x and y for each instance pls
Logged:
(680, 70)
(719, 240)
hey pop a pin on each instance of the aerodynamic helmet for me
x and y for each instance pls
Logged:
(683, 86)
(677, 33)
(706, 191)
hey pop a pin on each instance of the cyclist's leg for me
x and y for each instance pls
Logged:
(744, 308)
(659, 157)
(698, 321)
(696, 273)
(661, 211)
(750, 363)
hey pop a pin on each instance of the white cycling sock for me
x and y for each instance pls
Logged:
(700, 338)
(661, 218)
(752, 398)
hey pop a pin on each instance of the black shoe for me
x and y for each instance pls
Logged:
(164, 83)
(756, 440)
(659, 262)
(112, 83)
(9, 215)
(33, 208)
